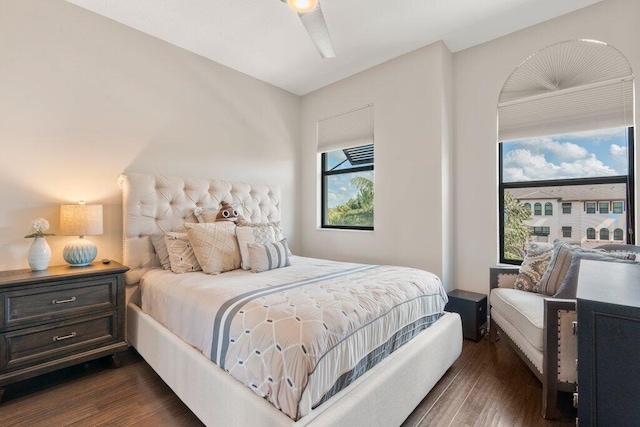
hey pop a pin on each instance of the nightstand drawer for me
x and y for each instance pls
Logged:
(43, 343)
(41, 304)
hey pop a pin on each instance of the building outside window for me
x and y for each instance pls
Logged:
(591, 233)
(590, 207)
(604, 234)
(618, 234)
(618, 207)
(548, 208)
(566, 208)
(537, 209)
(566, 232)
(603, 207)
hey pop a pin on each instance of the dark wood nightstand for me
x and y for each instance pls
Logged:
(472, 308)
(59, 317)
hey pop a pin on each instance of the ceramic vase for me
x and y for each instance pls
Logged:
(39, 254)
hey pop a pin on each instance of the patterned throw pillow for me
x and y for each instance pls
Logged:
(561, 261)
(206, 214)
(215, 246)
(533, 266)
(248, 235)
(269, 256)
(160, 246)
(181, 254)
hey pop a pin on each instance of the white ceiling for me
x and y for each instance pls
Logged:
(266, 40)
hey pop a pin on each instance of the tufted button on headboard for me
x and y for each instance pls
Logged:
(157, 204)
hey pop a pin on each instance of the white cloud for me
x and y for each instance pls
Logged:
(525, 165)
(564, 151)
(618, 152)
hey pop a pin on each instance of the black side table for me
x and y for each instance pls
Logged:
(472, 308)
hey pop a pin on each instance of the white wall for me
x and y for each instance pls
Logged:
(479, 74)
(83, 98)
(412, 136)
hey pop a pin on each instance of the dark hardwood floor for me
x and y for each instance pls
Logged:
(487, 386)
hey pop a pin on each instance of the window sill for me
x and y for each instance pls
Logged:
(351, 230)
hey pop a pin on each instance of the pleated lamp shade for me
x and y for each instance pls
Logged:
(80, 220)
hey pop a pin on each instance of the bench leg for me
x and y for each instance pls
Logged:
(549, 401)
(493, 331)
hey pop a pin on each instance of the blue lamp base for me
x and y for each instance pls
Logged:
(80, 252)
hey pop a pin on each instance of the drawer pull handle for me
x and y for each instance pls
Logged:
(64, 337)
(63, 301)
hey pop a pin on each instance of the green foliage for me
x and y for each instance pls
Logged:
(356, 211)
(516, 232)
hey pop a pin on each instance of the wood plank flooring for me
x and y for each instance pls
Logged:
(487, 386)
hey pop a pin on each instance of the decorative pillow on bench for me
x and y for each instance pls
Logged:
(533, 266)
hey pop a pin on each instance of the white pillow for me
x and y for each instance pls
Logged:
(215, 246)
(248, 235)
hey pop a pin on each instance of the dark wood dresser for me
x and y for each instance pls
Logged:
(608, 344)
(59, 317)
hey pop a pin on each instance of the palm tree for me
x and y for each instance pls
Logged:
(365, 192)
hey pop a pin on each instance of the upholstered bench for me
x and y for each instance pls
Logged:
(540, 329)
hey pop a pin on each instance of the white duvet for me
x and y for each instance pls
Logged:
(296, 335)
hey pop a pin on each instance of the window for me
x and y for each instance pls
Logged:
(603, 207)
(552, 177)
(537, 209)
(347, 188)
(345, 142)
(618, 234)
(540, 231)
(528, 206)
(548, 209)
(618, 207)
(604, 234)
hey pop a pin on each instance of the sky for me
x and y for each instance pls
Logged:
(578, 155)
(341, 189)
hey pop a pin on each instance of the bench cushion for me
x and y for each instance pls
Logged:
(524, 310)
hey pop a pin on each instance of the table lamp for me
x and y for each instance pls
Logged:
(80, 220)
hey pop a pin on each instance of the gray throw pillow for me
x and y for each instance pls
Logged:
(569, 287)
(560, 262)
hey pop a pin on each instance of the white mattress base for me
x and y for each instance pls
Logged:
(384, 396)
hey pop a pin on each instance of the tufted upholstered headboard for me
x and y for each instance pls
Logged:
(156, 204)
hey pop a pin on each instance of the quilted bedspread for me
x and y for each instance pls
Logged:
(296, 335)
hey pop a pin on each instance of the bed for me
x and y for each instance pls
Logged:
(182, 353)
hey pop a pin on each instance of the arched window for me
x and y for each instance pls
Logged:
(528, 206)
(604, 234)
(618, 234)
(578, 91)
(591, 234)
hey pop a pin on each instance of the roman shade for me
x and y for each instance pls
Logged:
(349, 129)
(572, 86)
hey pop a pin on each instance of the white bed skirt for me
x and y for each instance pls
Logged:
(383, 396)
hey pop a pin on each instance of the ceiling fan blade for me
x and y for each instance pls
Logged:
(317, 28)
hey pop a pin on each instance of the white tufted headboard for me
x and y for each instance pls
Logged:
(156, 204)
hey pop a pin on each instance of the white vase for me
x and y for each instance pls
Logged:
(39, 254)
